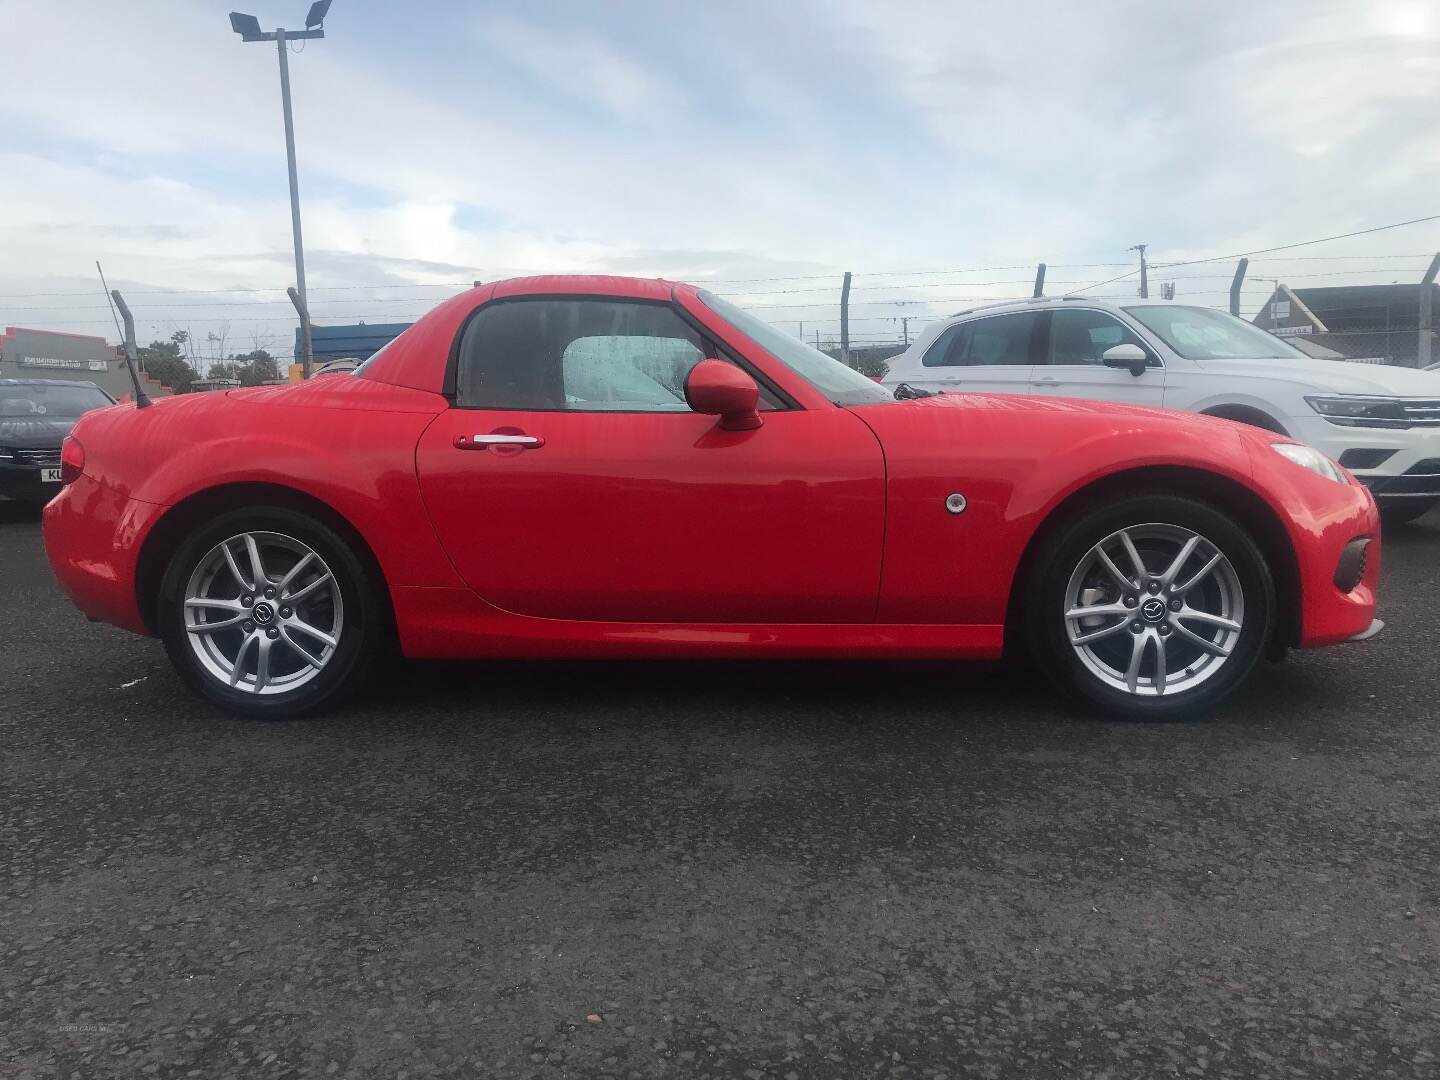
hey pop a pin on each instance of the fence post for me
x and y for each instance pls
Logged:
(1238, 281)
(142, 399)
(1039, 280)
(305, 348)
(845, 321)
(1427, 313)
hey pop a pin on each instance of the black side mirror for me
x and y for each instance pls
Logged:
(1131, 357)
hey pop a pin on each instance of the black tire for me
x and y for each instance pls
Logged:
(1403, 513)
(359, 642)
(1045, 623)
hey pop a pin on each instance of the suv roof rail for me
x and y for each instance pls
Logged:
(1005, 303)
(1016, 303)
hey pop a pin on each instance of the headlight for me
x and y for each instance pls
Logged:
(1307, 457)
(1371, 412)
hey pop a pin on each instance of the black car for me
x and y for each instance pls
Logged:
(35, 416)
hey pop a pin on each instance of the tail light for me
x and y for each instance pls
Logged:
(72, 460)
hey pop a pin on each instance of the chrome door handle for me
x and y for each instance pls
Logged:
(480, 442)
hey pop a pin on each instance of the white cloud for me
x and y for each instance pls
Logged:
(748, 141)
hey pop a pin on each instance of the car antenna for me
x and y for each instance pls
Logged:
(142, 399)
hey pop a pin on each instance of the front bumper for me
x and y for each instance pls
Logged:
(1409, 471)
(1376, 625)
(22, 483)
(93, 537)
(1331, 612)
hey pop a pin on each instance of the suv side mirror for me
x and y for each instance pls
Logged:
(1128, 356)
(723, 390)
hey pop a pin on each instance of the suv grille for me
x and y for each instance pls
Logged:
(1424, 413)
(47, 458)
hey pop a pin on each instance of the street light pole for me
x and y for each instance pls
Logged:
(290, 161)
(248, 27)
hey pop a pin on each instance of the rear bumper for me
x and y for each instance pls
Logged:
(93, 536)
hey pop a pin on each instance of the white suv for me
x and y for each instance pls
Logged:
(1382, 423)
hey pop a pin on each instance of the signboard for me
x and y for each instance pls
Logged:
(1291, 331)
(62, 363)
(1280, 309)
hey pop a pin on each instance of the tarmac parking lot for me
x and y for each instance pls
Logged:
(746, 870)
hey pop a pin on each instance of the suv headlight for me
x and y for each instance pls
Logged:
(1307, 457)
(1352, 411)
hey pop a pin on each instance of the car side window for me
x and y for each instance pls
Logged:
(996, 341)
(579, 355)
(1078, 336)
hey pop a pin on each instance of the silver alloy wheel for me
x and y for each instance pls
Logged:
(263, 612)
(1154, 609)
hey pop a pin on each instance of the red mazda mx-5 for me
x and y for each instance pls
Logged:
(613, 467)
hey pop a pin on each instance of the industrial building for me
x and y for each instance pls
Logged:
(51, 354)
(1378, 324)
(358, 341)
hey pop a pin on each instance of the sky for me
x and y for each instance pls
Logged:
(763, 147)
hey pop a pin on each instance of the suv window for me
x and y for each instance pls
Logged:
(584, 355)
(1078, 336)
(1198, 333)
(998, 340)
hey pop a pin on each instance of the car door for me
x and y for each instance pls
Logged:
(992, 354)
(572, 481)
(1071, 363)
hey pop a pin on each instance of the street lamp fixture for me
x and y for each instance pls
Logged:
(248, 27)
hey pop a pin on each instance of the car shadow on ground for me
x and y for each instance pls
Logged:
(17, 513)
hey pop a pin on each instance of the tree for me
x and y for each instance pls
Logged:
(249, 369)
(163, 360)
(868, 363)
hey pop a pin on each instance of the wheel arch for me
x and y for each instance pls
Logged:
(1253, 513)
(1246, 414)
(166, 536)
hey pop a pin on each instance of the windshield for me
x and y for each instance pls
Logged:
(39, 399)
(1201, 333)
(842, 385)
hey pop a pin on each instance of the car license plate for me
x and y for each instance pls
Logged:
(50, 476)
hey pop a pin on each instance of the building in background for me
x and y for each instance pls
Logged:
(1376, 324)
(359, 341)
(50, 354)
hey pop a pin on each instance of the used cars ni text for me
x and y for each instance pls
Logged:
(616, 467)
(1383, 423)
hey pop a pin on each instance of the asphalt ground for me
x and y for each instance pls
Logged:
(738, 870)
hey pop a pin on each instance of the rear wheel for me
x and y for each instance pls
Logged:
(268, 612)
(1155, 607)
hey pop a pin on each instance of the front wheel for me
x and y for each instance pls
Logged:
(1154, 607)
(269, 613)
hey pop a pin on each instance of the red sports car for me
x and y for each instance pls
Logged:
(614, 467)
